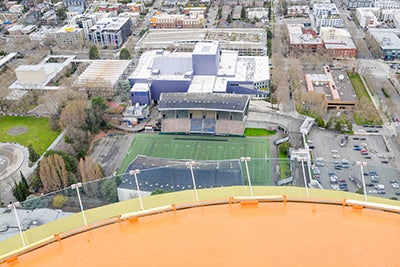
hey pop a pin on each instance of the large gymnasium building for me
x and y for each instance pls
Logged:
(208, 69)
(206, 91)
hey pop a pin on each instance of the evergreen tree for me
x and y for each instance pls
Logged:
(124, 54)
(33, 155)
(243, 13)
(229, 19)
(20, 191)
(269, 13)
(94, 53)
(23, 179)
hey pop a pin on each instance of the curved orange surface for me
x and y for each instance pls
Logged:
(270, 234)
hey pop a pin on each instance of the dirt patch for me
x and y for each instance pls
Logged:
(17, 130)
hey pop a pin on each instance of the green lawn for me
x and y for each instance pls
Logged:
(284, 165)
(258, 132)
(205, 148)
(358, 85)
(39, 133)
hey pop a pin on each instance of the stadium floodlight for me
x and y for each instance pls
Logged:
(14, 206)
(245, 160)
(76, 187)
(362, 164)
(135, 173)
(302, 160)
(190, 165)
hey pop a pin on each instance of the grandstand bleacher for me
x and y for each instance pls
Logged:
(196, 125)
(214, 114)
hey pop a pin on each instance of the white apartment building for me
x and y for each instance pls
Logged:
(396, 20)
(386, 4)
(327, 15)
(258, 13)
(298, 10)
(388, 14)
(191, 20)
(368, 17)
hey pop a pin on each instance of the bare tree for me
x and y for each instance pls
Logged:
(90, 171)
(54, 101)
(53, 174)
(295, 73)
(73, 115)
(372, 44)
(73, 119)
(314, 102)
(367, 112)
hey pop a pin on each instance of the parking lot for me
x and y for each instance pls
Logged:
(338, 168)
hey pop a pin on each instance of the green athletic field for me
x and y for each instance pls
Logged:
(204, 148)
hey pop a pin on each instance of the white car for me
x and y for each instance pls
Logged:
(379, 187)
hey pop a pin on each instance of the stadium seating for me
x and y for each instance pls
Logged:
(209, 126)
(196, 125)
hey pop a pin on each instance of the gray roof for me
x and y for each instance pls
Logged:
(174, 175)
(173, 65)
(203, 101)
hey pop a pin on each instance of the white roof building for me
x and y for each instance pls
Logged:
(258, 13)
(37, 77)
(327, 15)
(208, 69)
(386, 4)
(334, 33)
(367, 17)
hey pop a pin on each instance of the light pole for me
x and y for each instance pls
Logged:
(302, 159)
(190, 165)
(76, 187)
(135, 173)
(14, 207)
(362, 164)
(245, 160)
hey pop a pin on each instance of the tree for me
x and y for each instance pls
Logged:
(69, 161)
(61, 13)
(73, 115)
(109, 190)
(314, 103)
(229, 19)
(73, 119)
(124, 54)
(20, 191)
(295, 76)
(32, 202)
(122, 89)
(53, 174)
(33, 155)
(90, 171)
(366, 112)
(269, 12)
(23, 179)
(243, 14)
(59, 201)
(95, 115)
(94, 52)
